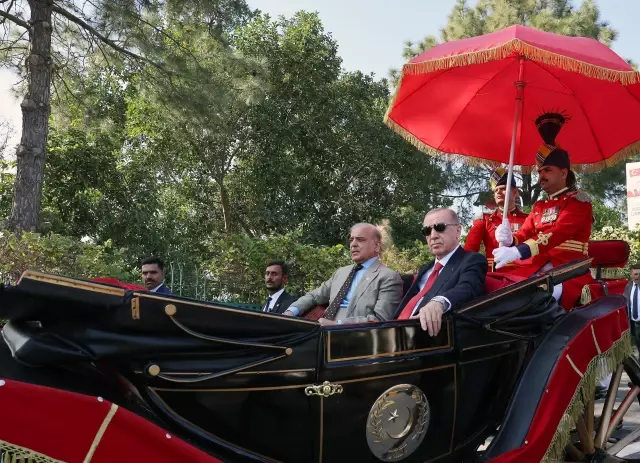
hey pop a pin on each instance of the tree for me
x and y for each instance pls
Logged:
(60, 37)
(559, 16)
(121, 162)
(319, 157)
(203, 111)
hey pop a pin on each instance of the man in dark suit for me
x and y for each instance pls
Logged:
(153, 276)
(276, 276)
(632, 295)
(452, 279)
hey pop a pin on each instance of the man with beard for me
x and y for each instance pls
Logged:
(366, 291)
(483, 229)
(276, 276)
(153, 275)
(452, 279)
(558, 228)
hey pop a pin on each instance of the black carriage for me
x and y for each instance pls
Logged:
(247, 386)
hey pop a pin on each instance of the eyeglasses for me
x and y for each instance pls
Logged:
(439, 227)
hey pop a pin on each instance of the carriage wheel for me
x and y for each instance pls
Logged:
(598, 436)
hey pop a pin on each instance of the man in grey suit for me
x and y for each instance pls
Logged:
(365, 292)
(632, 295)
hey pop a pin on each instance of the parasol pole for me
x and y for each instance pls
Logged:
(514, 135)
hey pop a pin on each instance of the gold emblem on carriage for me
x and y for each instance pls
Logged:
(326, 389)
(397, 422)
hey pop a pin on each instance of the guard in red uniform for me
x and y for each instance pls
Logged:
(483, 229)
(558, 228)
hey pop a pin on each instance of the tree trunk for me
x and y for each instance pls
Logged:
(36, 107)
(226, 207)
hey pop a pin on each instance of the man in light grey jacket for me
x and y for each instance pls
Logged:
(367, 291)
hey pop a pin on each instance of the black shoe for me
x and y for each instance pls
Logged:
(601, 392)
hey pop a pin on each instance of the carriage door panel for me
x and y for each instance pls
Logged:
(389, 394)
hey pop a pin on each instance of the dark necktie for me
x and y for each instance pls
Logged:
(266, 306)
(334, 306)
(634, 307)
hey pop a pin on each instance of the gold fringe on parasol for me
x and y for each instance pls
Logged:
(621, 155)
(517, 47)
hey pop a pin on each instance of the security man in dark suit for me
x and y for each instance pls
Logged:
(632, 294)
(153, 276)
(276, 276)
(452, 279)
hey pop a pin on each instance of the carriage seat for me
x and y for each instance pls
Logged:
(609, 258)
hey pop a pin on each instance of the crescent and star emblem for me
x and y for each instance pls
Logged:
(398, 422)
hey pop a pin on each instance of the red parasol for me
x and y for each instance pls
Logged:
(459, 98)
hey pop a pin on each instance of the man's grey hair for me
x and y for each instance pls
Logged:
(376, 231)
(451, 212)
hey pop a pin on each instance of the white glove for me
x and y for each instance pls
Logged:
(503, 256)
(504, 237)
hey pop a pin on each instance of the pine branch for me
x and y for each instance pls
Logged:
(104, 39)
(14, 19)
(155, 28)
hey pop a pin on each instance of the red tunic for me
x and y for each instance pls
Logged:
(483, 231)
(557, 231)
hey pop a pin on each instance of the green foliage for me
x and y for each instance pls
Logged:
(608, 184)
(558, 16)
(321, 156)
(237, 264)
(405, 225)
(605, 216)
(409, 259)
(7, 178)
(60, 255)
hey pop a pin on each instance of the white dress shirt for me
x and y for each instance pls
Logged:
(274, 298)
(423, 281)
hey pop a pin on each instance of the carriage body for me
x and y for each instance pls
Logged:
(245, 386)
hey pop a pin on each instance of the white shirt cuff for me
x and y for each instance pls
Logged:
(444, 301)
